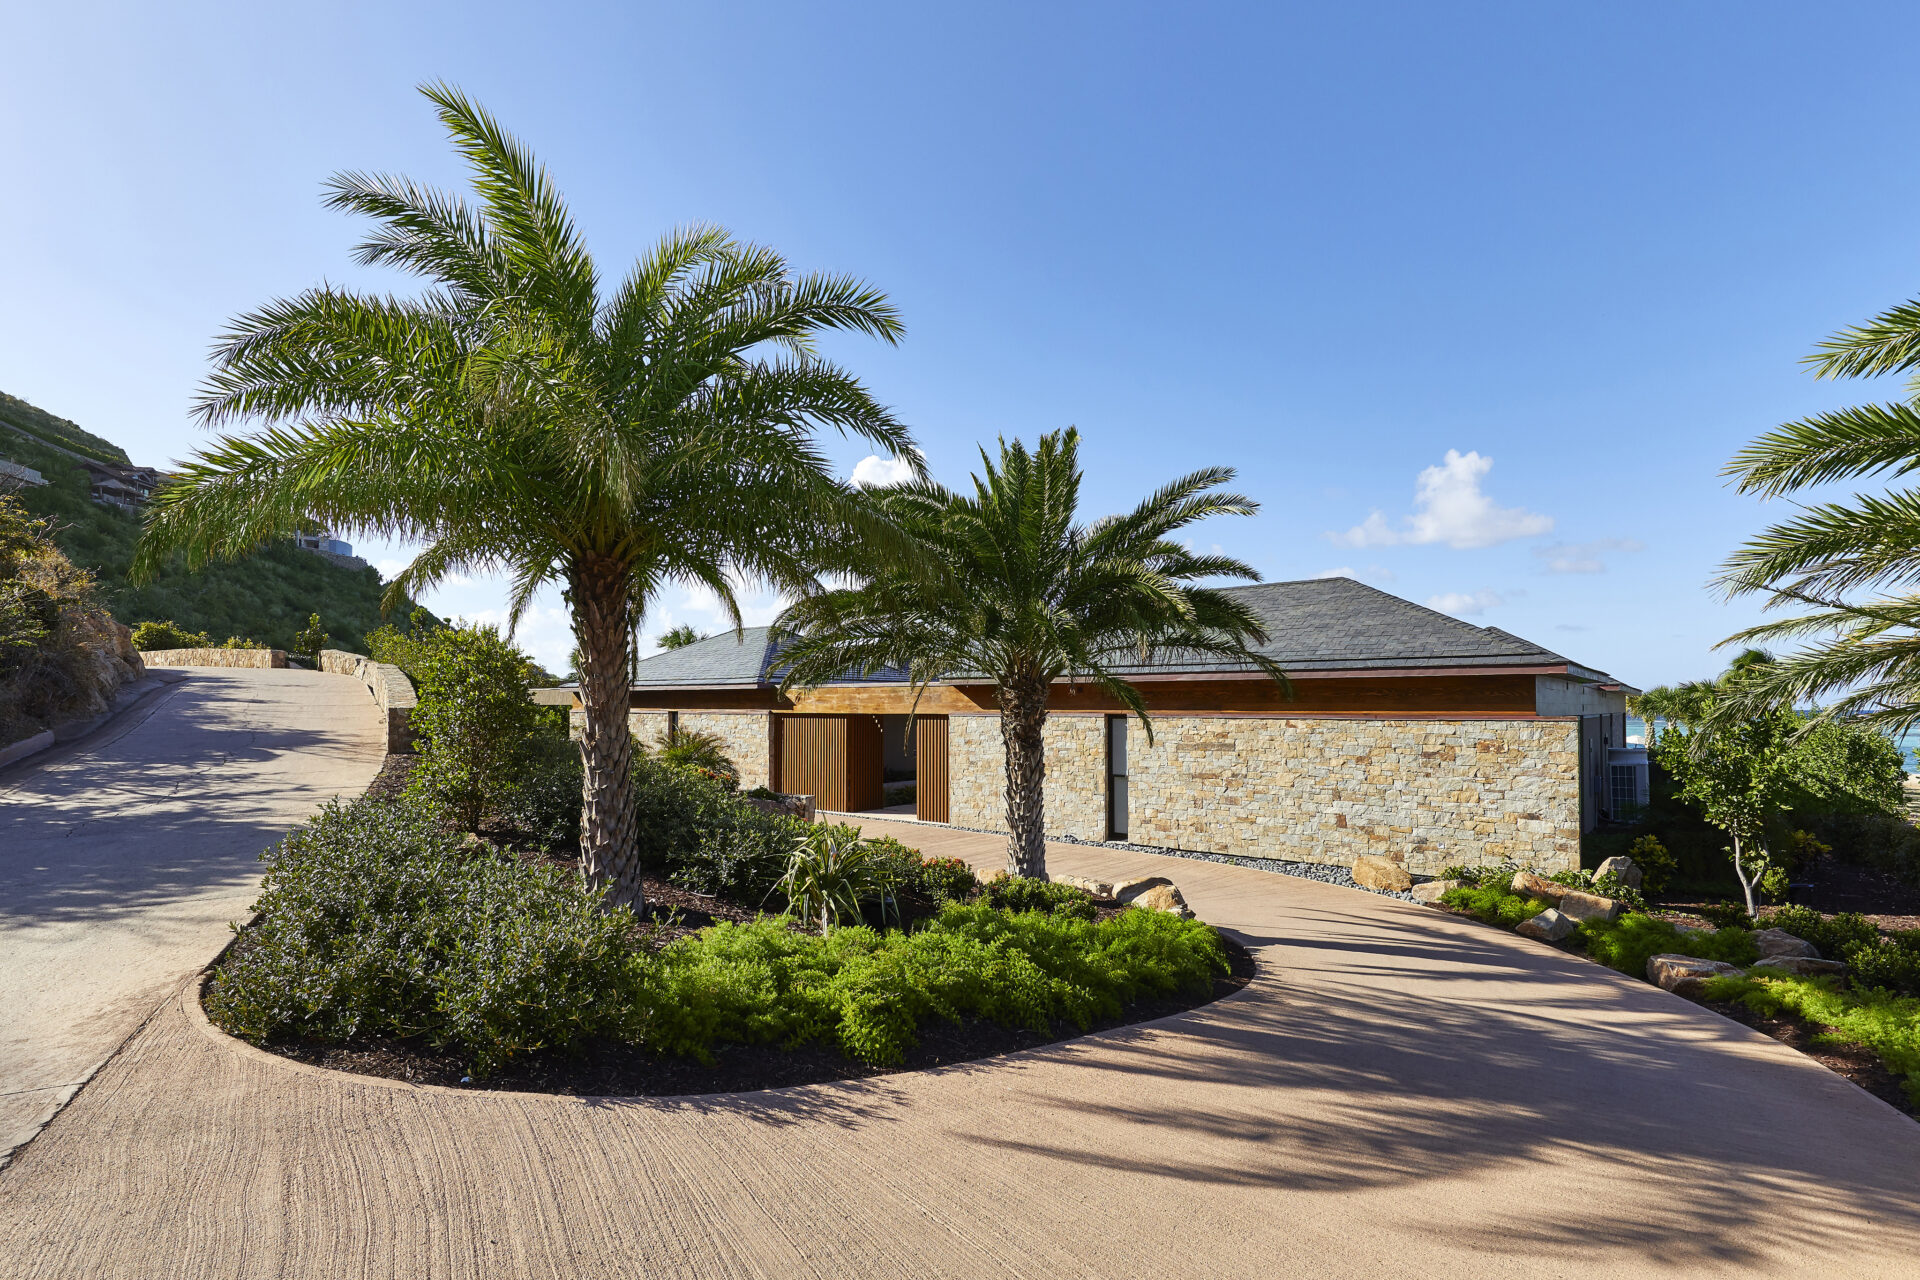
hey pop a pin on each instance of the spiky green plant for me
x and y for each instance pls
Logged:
(828, 871)
(1848, 568)
(517, 417)
(1022, 593)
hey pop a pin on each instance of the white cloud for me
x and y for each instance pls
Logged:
(1463, 605)
(874, 470)
(1375, 573)
(1449, 508)
(1344, 571)
(1583, 557)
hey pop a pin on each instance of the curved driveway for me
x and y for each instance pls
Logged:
(124, 856)
(1398, 1093)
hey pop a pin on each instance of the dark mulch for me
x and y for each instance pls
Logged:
(1860, 1065)
(395, 772)
(609, 1069)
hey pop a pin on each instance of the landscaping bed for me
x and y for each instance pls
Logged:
(606, 1068)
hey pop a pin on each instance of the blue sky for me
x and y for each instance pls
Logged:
(1478, 299)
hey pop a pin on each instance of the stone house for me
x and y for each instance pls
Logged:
(1409, 734)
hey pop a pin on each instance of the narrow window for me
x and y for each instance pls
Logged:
(673, 723)
(1116, 777)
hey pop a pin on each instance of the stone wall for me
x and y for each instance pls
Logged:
(1424, 793)
(392, 692)
(743, 736)
(214, 657)
(1076, 786)
(648, 727)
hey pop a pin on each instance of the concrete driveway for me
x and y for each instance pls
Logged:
(1397, 1093)
(124, 856)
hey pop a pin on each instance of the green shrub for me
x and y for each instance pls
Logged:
(1493, 905)
(375, 921)
(1876, 1019)
(165, 635)
(868, 992)
(830, 871)
(693, 749)
(1874, 959)
(1499, 874)
(474, 722)
(742, 860)
(1656, 864)
(677, 810)
(947, 880)
(1628, 943)
(311, 639)
(1835, 935)
(545, 799)
(1018, 893)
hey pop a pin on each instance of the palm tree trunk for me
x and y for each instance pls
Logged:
(608, 846)
(1023, 717)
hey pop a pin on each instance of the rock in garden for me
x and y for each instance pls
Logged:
(1621, 869)
(1098, 888)
(1371, 872)
(1164, 897)
(1537, 886)
(1125, 891)
(1589, 906)
(1548, 926)
(988, 877)
(1805, 966)
(1778, 942)
(1685, 975)
(1431, 891)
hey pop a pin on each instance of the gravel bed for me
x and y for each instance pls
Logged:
(1325, 873)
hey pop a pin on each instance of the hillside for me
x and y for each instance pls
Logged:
(266, 596)
(28, 420)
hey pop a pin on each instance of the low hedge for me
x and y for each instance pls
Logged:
(868, 991)
(1628, 943)
(1874, 1018)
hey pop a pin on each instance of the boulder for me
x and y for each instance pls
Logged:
(1098, 888)
(1778, 942)
(1164, 897)
(1381, 873)
(1589, 906)
(1431, 891)
(1685, 975)
(1620, 868)
(988, 877)
(1805, 966)
(1125, 891)
(1536, 886)
(1549, 926)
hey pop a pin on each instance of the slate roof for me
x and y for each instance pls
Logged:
(1321, 624)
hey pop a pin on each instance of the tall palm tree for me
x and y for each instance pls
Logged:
(514, 417)
(1024, 596)
(1851, 566)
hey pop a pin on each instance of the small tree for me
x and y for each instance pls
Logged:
(313, 639)
(680, 637)
(474, 721)
(1741, 774)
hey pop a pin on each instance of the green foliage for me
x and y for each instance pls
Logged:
(30, 421)
(268, 593)
(1739, 772)
(474, 721)
(311, 639)
(59, 654)
(1492, 904)
(829, 871)
(869, 992)
(152, 635)
(545, 799)
(1835, 935)
(694, 749)
(1656, 864)
(1873, 959)
(1628, 943)
(1877, 1019)
(1022, 893)
(679, 637)
(375, 921)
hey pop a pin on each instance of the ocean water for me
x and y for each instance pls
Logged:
(1908, 742)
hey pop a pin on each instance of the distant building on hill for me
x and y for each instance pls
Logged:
(323, 540)
(13, 471)
(112, 485)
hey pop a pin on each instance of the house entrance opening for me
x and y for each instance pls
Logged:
(899, 774)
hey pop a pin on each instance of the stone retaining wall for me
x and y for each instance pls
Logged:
(1423, 793)
(275, 658)
(392, 691)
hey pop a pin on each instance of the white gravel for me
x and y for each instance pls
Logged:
(1325, 873)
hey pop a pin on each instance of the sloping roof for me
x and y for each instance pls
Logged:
(1321, 624)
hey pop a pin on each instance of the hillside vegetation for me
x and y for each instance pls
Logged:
(266, 596)
(28, 420)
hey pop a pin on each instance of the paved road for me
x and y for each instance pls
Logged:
(1398, 1093)
(124, 856)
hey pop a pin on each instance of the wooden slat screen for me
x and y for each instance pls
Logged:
(930, 768)
(813, 759)
(866, 764)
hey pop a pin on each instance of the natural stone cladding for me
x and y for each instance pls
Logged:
(1423, 793)
(743, 736)
(1076, 785)
(647, 727)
